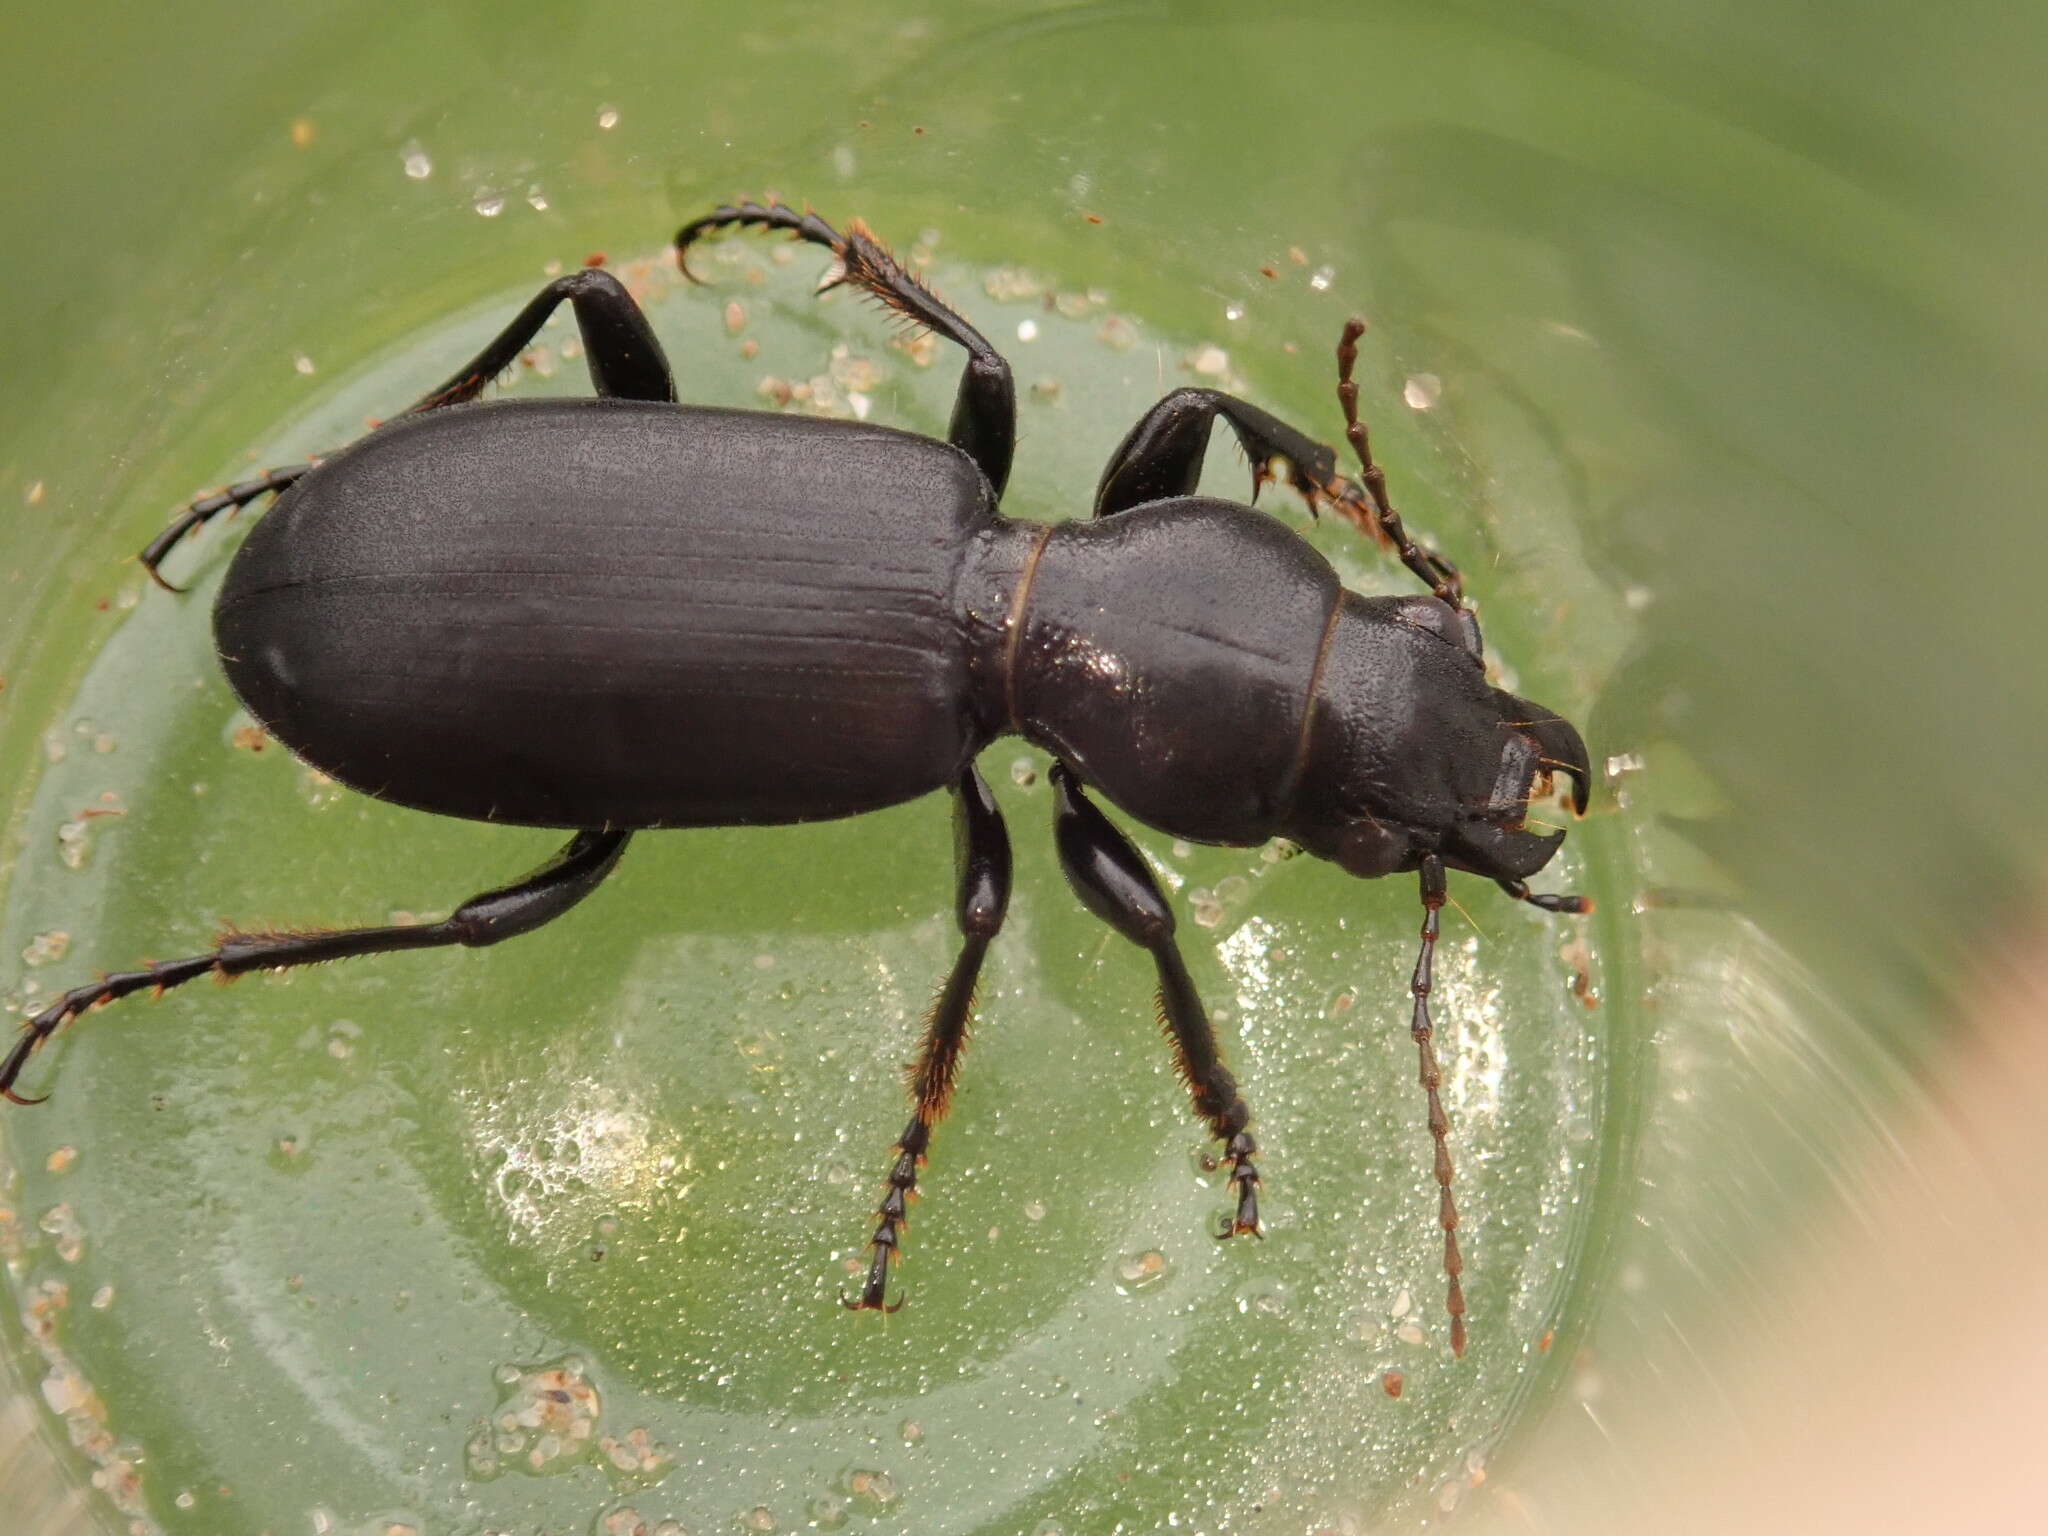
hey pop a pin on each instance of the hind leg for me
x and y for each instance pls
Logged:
(495, 915)
(625, 361)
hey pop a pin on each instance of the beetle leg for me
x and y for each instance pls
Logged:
(1162, 455)
(1374, 512)
(1110, 877)
(984, 422)
(625, 361)
(1434, 894)
(982, 851)
(198, 512)
(504, 913)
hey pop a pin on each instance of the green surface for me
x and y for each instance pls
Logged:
(1733, 325)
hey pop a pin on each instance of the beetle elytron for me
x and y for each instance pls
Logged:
(624, 613)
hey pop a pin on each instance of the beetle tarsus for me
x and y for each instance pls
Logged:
(201, 510)
(746, 213)
(984, 424)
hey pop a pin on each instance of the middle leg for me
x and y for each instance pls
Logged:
(984, 423)
(983, 853)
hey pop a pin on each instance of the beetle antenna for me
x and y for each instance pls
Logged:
(1431, 568)
(1434, 893)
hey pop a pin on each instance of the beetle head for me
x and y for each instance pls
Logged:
(1411, 752)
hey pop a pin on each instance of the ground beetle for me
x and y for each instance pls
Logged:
(624, 613)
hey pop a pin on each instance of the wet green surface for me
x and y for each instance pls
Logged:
(1724, 341)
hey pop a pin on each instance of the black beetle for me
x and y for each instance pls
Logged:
(624, 613)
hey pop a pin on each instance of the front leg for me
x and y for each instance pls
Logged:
(985, 410)
(1162, 455)
(1110, 877)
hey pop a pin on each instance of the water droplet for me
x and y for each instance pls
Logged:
(62, 1223)
(1117, 333)
(488, 203)
(302, 363)
(1141, 1271)
(419, 165)
(1023, 773)
(1233, 311)
(536, 199)
(1422, 391)
(607, 118)
(1027, 330)
(875, 1492)
(1322, 278)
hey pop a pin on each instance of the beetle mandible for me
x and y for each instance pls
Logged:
(617, 614)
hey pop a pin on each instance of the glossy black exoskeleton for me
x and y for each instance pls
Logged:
(624, 613)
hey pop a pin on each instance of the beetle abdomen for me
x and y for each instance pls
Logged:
(574, 613)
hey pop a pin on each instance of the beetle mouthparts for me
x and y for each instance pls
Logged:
(1561, 749)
